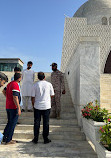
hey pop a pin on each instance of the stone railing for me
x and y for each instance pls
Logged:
(91, 130)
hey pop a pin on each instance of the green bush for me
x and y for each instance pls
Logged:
(105, 138)
(94, 112)
(98, 114)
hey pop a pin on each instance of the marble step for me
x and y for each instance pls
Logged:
(31, 114)
(56, 143)
(63, 98)
(64, 103)
(67, 104)
(62, 128)
(65, 143)
(52, 121)
(21, 134)
(55, 149)
(67, 109)
(64, 108)
(66, 94)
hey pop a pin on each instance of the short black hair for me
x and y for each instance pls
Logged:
(30, 62)
(17, 69)
(3, 77)
(41, 75)
(17, 76)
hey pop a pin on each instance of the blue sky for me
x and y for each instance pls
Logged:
(33, 30)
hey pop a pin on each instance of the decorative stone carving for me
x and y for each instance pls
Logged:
(110, 21)
(104, 21)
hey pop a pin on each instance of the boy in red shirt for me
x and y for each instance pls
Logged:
(12, 108)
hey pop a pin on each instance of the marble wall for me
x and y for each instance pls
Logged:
(83, 74)
(89, 72)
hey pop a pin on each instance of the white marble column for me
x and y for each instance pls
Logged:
(89, 71)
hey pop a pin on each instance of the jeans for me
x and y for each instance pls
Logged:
(37, 120)
(12, 115)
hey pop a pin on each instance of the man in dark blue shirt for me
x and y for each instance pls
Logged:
(3, 80)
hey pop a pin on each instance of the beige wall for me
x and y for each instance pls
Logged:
(105, 91)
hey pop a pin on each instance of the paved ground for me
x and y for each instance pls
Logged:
(55, 149)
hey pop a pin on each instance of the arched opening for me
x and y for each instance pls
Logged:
(104, 21)
(107, 68)
(105, 88)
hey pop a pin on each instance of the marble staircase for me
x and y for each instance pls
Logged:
(67, 138)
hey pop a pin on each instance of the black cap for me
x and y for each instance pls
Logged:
(53, 64)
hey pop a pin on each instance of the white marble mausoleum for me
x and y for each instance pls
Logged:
(86, 57)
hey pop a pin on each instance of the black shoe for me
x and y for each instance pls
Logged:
(35, 141)
(22, 110)
(30, 110)
(47, 141)
(18, 123)
(4, 139)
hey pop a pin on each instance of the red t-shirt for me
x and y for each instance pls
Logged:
(11, 88)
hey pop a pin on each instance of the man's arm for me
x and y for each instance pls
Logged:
(16, 101)
(4, 92)
(33, 101)
(51, 91)
(33, 95)
(51, 77)
(52, 96)
(62, 84)
(33, 76)
(22, 74)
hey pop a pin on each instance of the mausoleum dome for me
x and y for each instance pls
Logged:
(94, 11)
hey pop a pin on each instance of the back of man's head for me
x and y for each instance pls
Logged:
(16, 69)
(3, 77)
(41, 75)
(30, 62)
(17, 76)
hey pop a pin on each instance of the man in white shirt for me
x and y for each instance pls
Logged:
(41, 100)
(27, 83)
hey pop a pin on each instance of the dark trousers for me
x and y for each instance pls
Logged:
(12, 115)
(37, 120)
